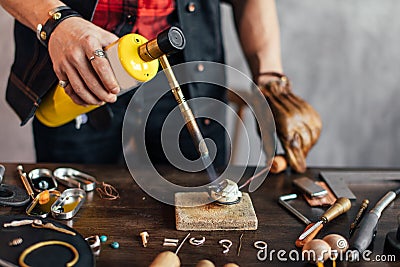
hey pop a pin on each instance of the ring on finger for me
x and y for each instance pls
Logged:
(99, 53)
(63, 83)
(91, 58)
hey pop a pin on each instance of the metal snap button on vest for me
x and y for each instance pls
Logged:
(200, 67)
(191, 7)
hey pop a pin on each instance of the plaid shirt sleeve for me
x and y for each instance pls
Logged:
(146, 17)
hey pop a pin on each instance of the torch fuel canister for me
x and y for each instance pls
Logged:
(134, 60)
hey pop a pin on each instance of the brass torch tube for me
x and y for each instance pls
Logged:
(150, 51)
(187, 113)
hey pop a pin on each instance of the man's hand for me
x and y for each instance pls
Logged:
(91, 82)
(298, 125)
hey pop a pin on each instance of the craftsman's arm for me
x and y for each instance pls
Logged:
(258, 29)
(70, 45)
(298, 125)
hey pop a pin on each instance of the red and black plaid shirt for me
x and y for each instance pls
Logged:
(146, 17)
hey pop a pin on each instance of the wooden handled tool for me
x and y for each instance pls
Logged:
(341, 205)
(300, 243)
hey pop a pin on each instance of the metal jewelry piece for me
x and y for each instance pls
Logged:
(17, 223)
(63, 83)
(39, 224)
(15, 242)
(260, 245)
(225, 193)
(240, 244)
(144, 236)
(180, 246)
(197, 242)
(91, 58)
(94, 243)
(226, 244)
(169, 242)
(27, 251)
(99, 53)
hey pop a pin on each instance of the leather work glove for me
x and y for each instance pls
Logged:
(298, 125)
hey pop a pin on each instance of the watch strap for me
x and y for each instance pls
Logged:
(57, 15)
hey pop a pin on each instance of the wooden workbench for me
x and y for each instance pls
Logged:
(122, 220)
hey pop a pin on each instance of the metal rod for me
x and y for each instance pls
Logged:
(188, 116)
(25, 181)
(360, 214)
(183, 241)
(282, 200)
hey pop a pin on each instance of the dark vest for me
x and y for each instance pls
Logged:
(32, 74)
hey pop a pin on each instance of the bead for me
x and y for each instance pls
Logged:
(15, 242)
(115, 245)
(103, 238)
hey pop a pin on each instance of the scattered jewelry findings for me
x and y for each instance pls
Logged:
(183, 241)
(144, 236)
(17, 223)
(115, 245)
(39, 224)
(197, 242)
(94, 243)
(169, 242)
(226, 244)
(260, 245)
(240, 244)
(166, 244)
(15, 242)
(27, 251)
(103, 238)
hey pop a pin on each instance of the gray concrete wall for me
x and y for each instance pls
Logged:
(342, 57)
(16, 143)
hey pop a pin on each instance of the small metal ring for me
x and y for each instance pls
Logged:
(94, 241)
(99, 53)
(197, 242)
(91, 58)
(63, 83)
(260, 244)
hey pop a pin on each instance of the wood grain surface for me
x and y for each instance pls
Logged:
(122, 220)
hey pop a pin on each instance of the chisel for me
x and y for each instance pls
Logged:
(340, 206)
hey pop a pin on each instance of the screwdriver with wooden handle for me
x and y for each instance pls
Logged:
(341, 205)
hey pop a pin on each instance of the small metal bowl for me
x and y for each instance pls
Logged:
(42, 210)
(42, 179)
(74, 178)
(68, 204)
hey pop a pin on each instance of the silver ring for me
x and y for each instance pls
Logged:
(197, 242)
(260, 244)
(91, 58)
(94, 243)
(63, 83)
(99, 53)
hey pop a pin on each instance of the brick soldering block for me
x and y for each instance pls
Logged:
(190, 216)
